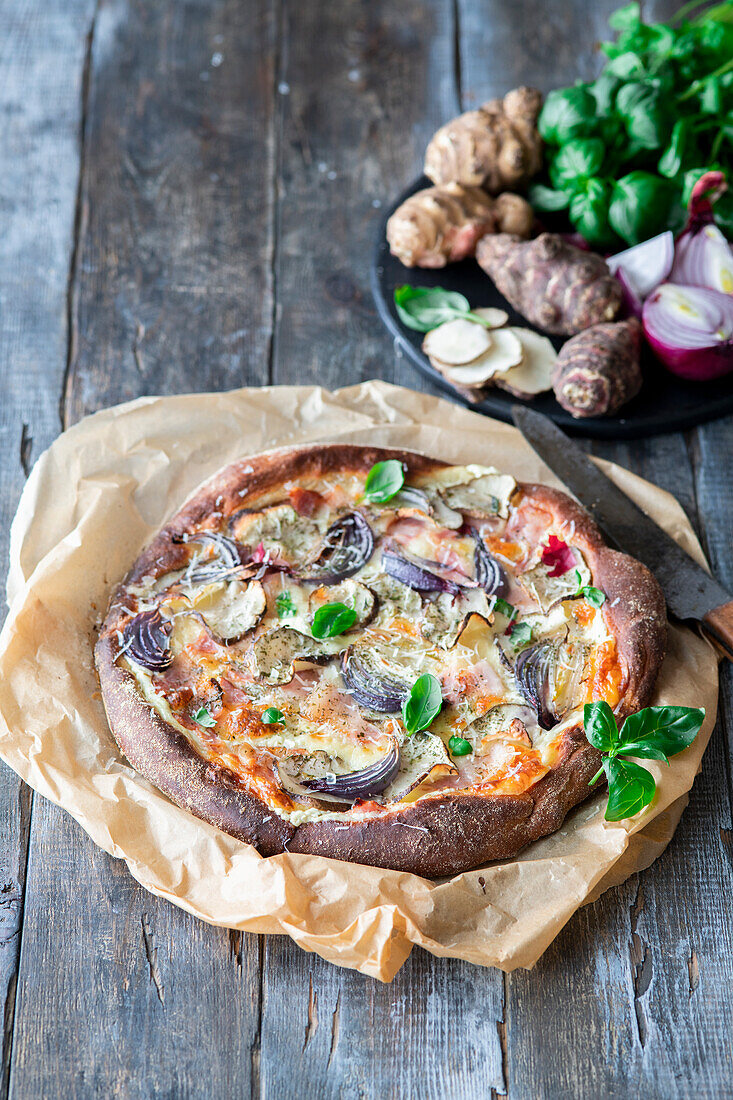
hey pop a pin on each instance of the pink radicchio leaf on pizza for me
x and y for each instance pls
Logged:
(558, 556)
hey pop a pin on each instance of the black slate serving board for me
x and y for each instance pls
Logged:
(666, 403)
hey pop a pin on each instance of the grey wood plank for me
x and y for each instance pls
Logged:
(363, 86)
(174, 287)
(41, 59)
(120, 993)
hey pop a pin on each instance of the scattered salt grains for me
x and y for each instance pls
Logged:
(216, 60)
(617, 600)
(283, 88)
(331, 175)
(248, 470)
(417, 828)
(354, 75)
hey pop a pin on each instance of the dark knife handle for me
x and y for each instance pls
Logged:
(718, 625)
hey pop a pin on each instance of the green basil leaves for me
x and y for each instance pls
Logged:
(423, 703)
(203, 718)
(654, 733)
(383, 481)
(332, 619)
(272, 716)
(423, 308)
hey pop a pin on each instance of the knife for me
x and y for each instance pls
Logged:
(691, 593)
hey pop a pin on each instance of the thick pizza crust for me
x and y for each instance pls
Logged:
(436, 836)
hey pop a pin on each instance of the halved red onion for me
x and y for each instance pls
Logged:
(371, 689)
(146, 640)
(642, 268)
(489, 574)
(362, 784)
(690, 329)
(411, 572)
(702, 255)
(347, 545)
(227, 560)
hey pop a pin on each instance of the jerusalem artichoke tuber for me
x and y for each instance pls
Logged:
(556, 286)
(497, 147)
(439, 225)
(598, 371)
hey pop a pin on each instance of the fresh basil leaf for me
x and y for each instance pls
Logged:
(589, 213)
(422, 308)
(625, 65)
(627, 18)
(332, 619)
(600, 725)
(567, 113)
(639, 206)
(645, 114)
(576, 162)
(384, 480)
(422, 704)
(670, 729)
(594, 596)
(630, 788)
(284, 606)
(459, 746)
(604, 90)
(203, 718)
(711, 96)
(670, 163)
(546, 199)
(272, 716)
(521, 635)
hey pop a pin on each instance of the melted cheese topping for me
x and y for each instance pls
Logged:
(255, 692)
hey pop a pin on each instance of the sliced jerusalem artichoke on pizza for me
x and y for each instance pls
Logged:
(435, 721)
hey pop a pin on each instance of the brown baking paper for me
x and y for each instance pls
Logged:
(93, 500)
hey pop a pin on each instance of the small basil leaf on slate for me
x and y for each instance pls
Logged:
(272, 715)
(203, 718)
(422, 704)
(600, 725)
(384, 480)
(630, 788)
(422, 308)
(332, 619)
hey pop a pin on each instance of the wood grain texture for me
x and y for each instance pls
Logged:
(173, 288)
(40, 113)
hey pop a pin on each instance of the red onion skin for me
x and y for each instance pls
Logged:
(689, 266)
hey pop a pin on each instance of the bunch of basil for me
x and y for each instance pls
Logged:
(624, 152)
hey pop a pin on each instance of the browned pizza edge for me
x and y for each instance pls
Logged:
(434, 837)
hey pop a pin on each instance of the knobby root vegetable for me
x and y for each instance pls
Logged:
(558, 287)
(497, 147)
(440, 225)
(598, 371)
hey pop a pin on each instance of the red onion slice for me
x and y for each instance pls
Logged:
(410, 572)
(369, 688)
(690, 329)
(227, 560)
(533, 670)
(347, 546)
(362, 784)
(489, 574)
(146, 640)
(642, 268)
(702, 255)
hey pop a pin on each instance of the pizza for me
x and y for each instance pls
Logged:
(375, 656)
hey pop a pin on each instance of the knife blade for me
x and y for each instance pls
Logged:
(691, 593)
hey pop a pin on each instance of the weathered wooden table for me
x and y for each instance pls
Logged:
(189, 193)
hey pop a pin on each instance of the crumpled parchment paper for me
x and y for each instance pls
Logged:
(93, 500)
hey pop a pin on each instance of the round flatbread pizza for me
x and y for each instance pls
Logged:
(374, 656)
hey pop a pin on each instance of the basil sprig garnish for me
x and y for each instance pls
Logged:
(383, 481)
(332, 619)
(654, 733)
(596, 597)
(422, 704)
(423, 308)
